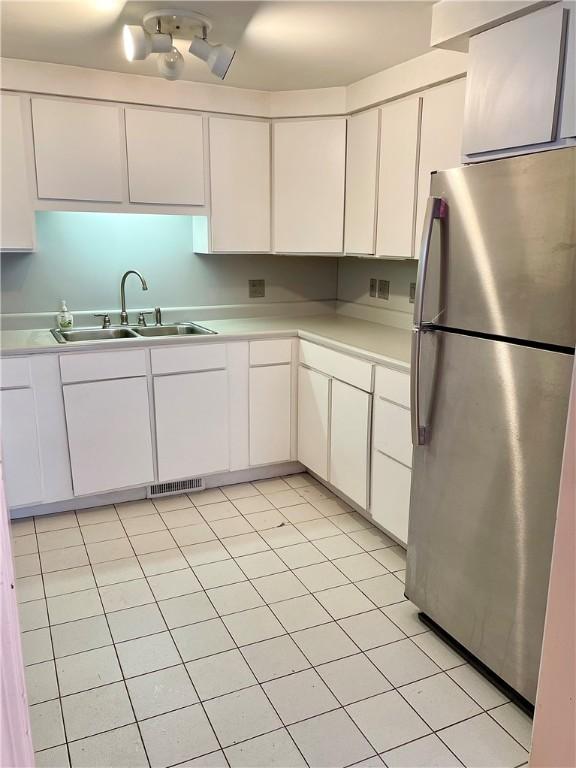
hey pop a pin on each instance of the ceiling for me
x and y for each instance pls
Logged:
(280, 45)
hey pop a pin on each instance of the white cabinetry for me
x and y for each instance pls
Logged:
(313, 420)
(165, 157)
(361, 182)
(240, 185)
(349, 448)
(109, 434)
(270, 414)
(514, 83)
(20, 447)
(391, 453)
(191, 424)
(309, 161)
(17, 223)
(440, 140)
(78, 149)
(399, 132)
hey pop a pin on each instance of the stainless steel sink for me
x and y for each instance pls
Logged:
(177, 329)
(92, 334)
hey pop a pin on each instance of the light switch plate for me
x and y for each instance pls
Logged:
(384, 289)
(373, 287)
(256, 289)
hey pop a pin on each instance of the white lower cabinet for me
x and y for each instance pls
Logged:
(313, 420)
(270, 414)
(349, 433)
(109, 434)
(191, 424)
(20, 448)
(391, 495)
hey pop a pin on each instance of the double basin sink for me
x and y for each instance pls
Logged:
(123, 332)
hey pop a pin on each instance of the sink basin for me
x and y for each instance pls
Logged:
(178, 329)
(92, 334)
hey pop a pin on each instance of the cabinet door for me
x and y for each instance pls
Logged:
(440, 140)
(165, 157)
(513, 83)
(109, 435)
(270, 414)
(390, 501)
(20, 448)
(240, 184)
(78, 150)
(392, 431)
(191, 424)
(313, 420)
(399, 131)
(349, 432)
(308, 185)
(361, 182)
(17, 226)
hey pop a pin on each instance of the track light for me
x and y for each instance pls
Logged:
(217, 57)
(139, 44)
(171, 64)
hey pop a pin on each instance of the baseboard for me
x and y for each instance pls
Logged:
(134, 494)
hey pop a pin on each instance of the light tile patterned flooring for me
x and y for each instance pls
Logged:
(260, 624)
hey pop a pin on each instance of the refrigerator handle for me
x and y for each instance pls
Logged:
(436, 208)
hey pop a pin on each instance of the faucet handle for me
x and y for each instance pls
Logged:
(106, 319)
(158, 316)
(142, 318)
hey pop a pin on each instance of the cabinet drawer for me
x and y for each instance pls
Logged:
(98, 366)
(270, 352)
(205, 357)
(390, 503)
(339, 366)
(393, 385)
(392, 433)
(14, 372)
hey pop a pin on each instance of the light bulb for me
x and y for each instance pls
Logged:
(171, 64)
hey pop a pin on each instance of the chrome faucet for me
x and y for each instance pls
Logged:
(123, 313)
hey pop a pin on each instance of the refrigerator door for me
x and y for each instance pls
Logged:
(484, 493)
(504, 261)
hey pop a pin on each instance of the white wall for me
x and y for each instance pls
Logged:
(354, 283)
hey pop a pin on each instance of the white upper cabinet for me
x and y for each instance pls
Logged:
(309, 164)
(240, 185)
(165, 157)
(399, 132)
(361, 182)
(79, 150)
(440, 140)
(17, 226)
(513, 83)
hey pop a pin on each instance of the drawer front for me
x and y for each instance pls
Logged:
(343, 367)
(98, 366)
(14, 372)
(390, 500)
(204, 357)
(270, 352)
(393, 385)
(392, 433)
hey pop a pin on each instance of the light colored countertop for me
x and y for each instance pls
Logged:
(373, 341)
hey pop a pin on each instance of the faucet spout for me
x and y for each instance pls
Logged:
(124, 313)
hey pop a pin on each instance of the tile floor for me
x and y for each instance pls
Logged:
(260, 624)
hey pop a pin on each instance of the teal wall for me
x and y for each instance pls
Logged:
(81, 257)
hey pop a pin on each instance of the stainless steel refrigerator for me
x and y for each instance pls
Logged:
(492, 356)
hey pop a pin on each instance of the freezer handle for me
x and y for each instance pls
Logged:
(437, 208)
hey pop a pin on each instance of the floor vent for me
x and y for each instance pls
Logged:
(176, 486)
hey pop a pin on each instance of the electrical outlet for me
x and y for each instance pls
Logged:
(373, 287)
(256, 289)
(384, 289)
(412, 293)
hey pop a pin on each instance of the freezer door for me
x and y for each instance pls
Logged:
(505, 261)
(484, 494)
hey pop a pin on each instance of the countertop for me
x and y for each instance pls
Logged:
(373, 341)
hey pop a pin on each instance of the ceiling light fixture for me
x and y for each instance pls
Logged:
(157, 33)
